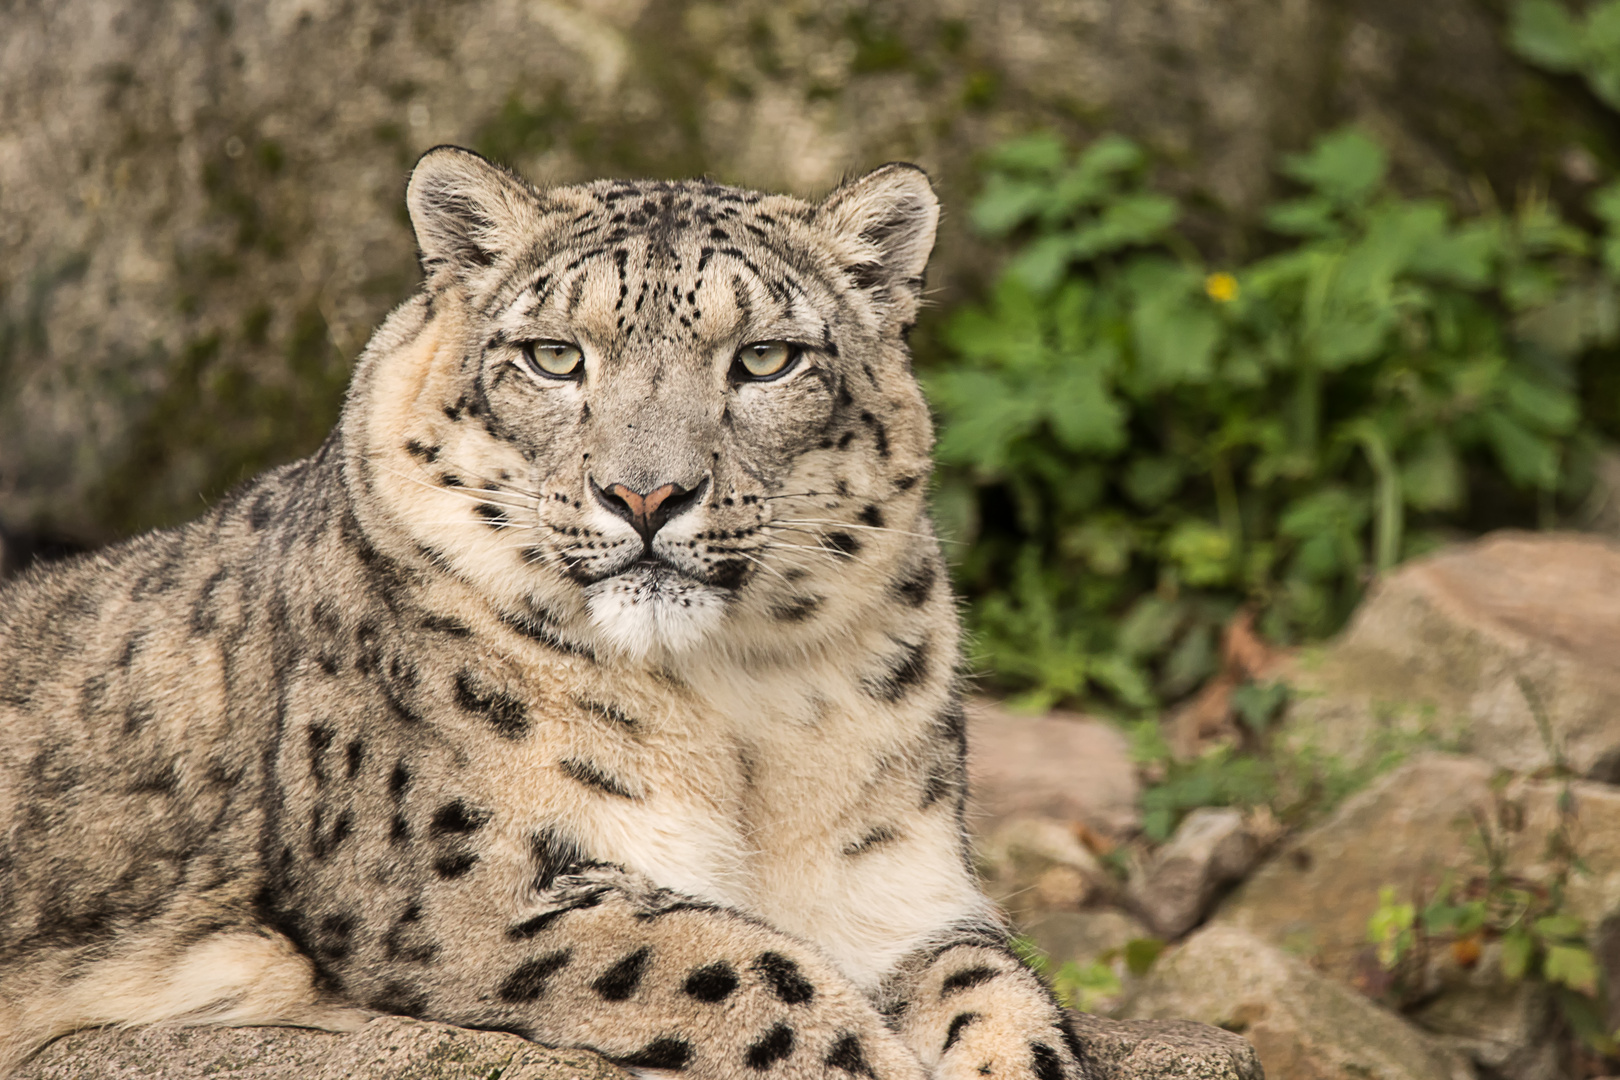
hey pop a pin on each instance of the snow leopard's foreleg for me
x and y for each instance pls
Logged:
(648, 978)
(969, 1009)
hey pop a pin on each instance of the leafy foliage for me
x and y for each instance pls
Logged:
(1548, 34)
(1136, 443)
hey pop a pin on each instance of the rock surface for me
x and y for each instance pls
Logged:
(392, 1048)
(1406, 831)
(1464, 647)
(1058, 765)
(1302, 1025)
(1211, 848)
(200, 199)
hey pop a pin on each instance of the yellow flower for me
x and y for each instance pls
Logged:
(1222, 288)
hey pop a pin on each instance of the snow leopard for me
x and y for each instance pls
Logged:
(597, 679)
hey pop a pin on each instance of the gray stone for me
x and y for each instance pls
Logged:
(1165, 1050)
(1303, 1026)
(1058, 765)
(1031, 865)
(1464, 647)
(389, 1047)
(1211, 848)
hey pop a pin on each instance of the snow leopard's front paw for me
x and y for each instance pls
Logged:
(978, 1013)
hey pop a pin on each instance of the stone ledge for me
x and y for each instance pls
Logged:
(400, 1049)
(1164, 1050)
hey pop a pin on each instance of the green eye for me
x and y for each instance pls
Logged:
(553, 359)
(766, 359)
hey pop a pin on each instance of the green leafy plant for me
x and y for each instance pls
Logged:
(1551, 36)
(1137, 443)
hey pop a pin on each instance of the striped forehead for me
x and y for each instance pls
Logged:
(664, 279)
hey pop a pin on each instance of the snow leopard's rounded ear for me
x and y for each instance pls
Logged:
(885, 222)
(467, 211)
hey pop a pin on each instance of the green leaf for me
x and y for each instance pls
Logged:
(1258, 704)
(1040, 153)
(1571, 966)
(1346, 166)
(1007, 203)
(1202, 551)
(1518, 948)
(1432, 478)
(1304, 217)
(1530, 460)
(1151, 481)
(1560, 927)
(1544, 33)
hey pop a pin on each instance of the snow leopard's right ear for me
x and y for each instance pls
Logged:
(467, 211)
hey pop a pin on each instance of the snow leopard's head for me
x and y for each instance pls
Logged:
(654, 416)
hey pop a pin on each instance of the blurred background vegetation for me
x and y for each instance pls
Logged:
(1235, 305)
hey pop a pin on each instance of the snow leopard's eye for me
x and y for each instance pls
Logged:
(553, 359)
(765, 360)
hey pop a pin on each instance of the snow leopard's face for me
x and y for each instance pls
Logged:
(653, 416)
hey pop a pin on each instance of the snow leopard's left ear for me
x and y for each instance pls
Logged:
(885, 223)
(467, 211)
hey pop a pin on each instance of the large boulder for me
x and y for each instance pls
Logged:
(1302, 1025)
(200, 203)
(1508, 648)
(392, 1048)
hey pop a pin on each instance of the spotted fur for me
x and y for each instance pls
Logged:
(616, 709)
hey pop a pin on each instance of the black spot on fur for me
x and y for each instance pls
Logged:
(620, 981)
(871, 516)
(423, 453)
(712, 982)
(915, 586)
(776, 1045)
(843, 543)
(591, 776)
(554, 855)
(399, 830)
(441, 624)
(259, 516)
(401, 941)
(332, 935)
(320, 737)
(609, 712)
(399, 999)
(784, 978)
(1048, 1066)
(505, 713)
(398, 781)
(542, 922)
(454, 865)
(966, 979)
(728, 573)
(906, 483)
(658, 1054)
(457, 818)
(356, 756)
(528, 979)
(848, 1055)
(795, 608)
(906, 669)
(880, 835)
(954, 1032)
(493, 515)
